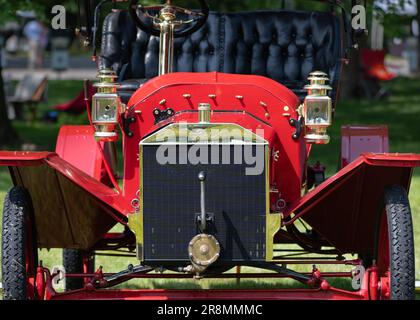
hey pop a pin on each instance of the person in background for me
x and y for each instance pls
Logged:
(37, 35)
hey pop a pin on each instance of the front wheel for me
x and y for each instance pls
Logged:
(395, 247)
(77, 261)
(19, 249)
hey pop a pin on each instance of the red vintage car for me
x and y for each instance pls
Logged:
(217, 113)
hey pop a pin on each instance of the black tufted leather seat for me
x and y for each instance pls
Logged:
(282, 45)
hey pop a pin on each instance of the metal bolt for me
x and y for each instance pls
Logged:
(186, 95)
(162, 102)
(239, 97)
(286, 108)
(202, 176)
(263, 104)
(204, 249)
(212, 96)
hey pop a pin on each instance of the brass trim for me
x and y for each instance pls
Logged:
(135, 220)
(188, 128)
(135, 223)
(204, 113)
(272, 220)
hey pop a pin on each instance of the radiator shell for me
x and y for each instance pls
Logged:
(171, 201)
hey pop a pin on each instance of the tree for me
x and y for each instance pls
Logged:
(396, 21)
(418, 35)
(8, 135)
(7, 132)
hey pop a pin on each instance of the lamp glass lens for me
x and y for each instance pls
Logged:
(318, 111)
(105, 110)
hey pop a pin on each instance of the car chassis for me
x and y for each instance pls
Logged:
(72, 198)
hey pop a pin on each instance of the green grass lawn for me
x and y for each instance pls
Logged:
(401, 112)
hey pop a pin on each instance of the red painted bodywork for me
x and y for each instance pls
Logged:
(341, 210)
(72, 208)
(156, 294)
(322, 290)
(86, 182)
(262, 106)
(344, 207)
(77, 146)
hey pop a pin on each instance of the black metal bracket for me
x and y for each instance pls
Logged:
(209, 217)
(126, 122)
(298, 124)
(161, 115)
(209, 222)
(122, 276)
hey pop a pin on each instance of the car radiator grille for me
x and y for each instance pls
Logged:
(171, 200)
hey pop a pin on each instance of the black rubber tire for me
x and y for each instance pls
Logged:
(401, 242)
(17, 211)
(73, 263)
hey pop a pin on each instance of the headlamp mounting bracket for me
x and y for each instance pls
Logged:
(298, 124)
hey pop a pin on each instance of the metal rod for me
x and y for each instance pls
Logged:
(110, 151)
(221, 276)
(166, 47)
(301, 255)
(306, 261)
(291, 250)
(202, 178)
(115, 255)
(131, 271)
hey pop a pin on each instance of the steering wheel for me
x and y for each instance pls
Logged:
(198, 19)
